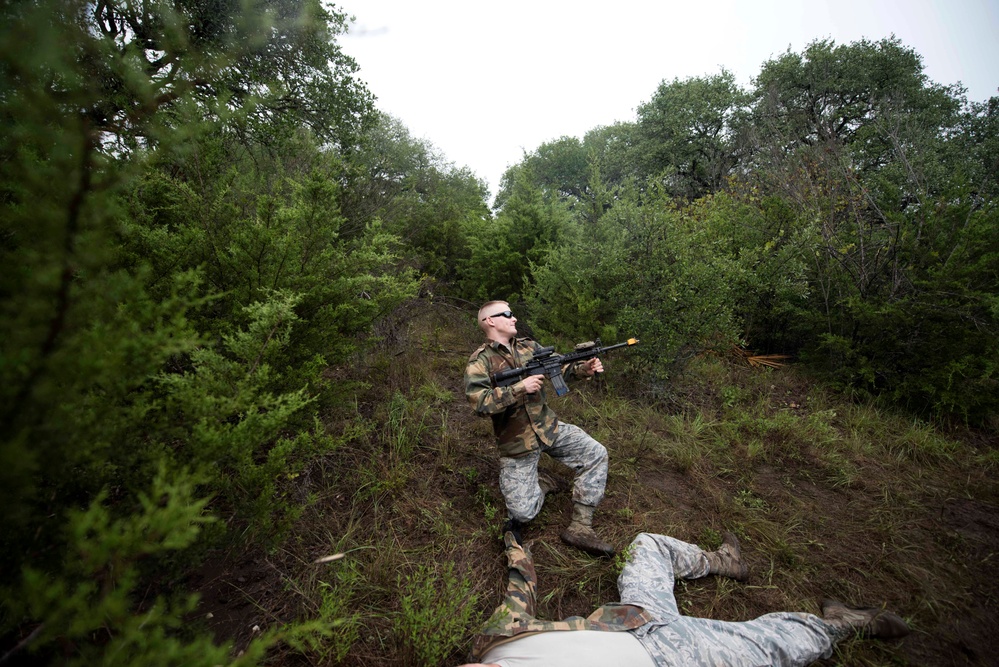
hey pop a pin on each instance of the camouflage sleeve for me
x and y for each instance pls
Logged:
(482, 396)
(571, 371)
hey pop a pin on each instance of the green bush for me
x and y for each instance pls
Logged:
(90, 611)
(506, 251)
(175, 285)
(437, 607)
(647, 270)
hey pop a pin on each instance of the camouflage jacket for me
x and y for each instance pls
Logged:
(522, 422)
(514, 618)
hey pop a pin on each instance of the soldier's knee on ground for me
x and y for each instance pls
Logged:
(523, 510)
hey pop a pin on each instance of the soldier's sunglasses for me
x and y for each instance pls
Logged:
(506, 313)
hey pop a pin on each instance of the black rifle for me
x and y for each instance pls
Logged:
(546, 362)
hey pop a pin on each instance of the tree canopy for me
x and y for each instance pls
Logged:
(853, 187)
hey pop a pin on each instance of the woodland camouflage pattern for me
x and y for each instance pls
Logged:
(522, 422)
(525, 427)
(649, 610)
(515, 616)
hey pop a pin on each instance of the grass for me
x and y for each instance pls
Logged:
(829, 498)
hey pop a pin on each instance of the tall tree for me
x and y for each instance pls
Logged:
(614, 149)
(269, 63)
(884, 160)
(833, 95)
(425, 200)
(506, 250)
(690, 133)
(559, 169)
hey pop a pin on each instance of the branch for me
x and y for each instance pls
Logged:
(21, 645)
(58, 320)
(263, 348)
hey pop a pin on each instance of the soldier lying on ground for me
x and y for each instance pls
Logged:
(526, 427)
(646, 629)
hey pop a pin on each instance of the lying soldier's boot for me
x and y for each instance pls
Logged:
(580, 533)
(727, 561)
(513, 527)
(512, 540)
(866, 621)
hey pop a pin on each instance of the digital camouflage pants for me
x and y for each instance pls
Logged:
(780, 639)
(515, 615)
(648, 610)
(518, 476)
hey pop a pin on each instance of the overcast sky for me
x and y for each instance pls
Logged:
(486, 81)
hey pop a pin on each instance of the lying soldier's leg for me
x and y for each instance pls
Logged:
(784, 639)
(522, 583)
(654, 562)
(519, 602)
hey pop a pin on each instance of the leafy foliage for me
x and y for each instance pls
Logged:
(854, 189)
(92, 594)
(433, 207)
(690, 133)
(177, 286)
(436, 607)
(645, 270)
(505, 251)
(266, 64)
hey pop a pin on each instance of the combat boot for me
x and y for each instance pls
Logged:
(866, 621)
(727, 561)
(579, 532)
(512, 527)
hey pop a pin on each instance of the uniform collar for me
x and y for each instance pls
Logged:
(508, 345)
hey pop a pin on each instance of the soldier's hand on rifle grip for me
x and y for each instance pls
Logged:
(532, 383)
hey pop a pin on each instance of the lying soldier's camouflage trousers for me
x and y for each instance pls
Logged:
(515, 616)
(649, 610)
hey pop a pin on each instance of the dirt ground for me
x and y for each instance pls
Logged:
(928, 551)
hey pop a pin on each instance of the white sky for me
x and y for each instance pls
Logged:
(486, 81)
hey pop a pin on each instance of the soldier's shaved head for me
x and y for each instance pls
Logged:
(487, 308)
